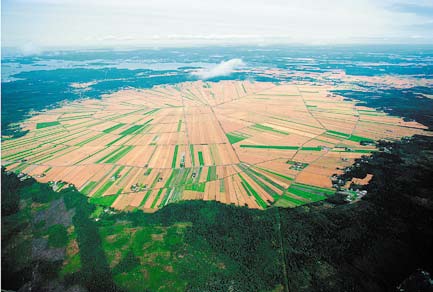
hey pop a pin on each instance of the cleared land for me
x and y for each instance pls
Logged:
(245, 143)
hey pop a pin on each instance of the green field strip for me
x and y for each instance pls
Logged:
(256, 174)
(173, 162)
(109, 154)
(131, 130)
(124, 176)
(234, 138)
(90, 156)
(243, 87)
(46, 124)
(165, 199)
(90, 139)
(148, 171)
(275, 173)
(337, 134)
(36, 154)
(89, 187)
(157, 197)
(355, 138)
(222, 186)
(307, 195)
(113, 128)
(313, 188)
(357, 151)
(114, 141)
(251, 190)
(172, 178)
(120, 154)
(261, 127)
(282, 147)
(124, 115)
(198, 187)
(213, 153)
(179, 125)
(297, 123)
(20, 167)
(291, 200)
(155, 180)
(200, 158)
(76, 117)
(106, 201)
(19, 154)
(103, 189)
(151, 112)
(191, 151)
(50, 155)
(211, 173)
(171, 105)
(264, 186)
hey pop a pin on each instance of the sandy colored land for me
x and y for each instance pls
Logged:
(233, 142)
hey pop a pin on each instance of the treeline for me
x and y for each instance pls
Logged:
(371, 245)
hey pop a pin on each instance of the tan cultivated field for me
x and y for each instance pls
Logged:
(245, 143)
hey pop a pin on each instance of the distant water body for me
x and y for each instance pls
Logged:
(34, 83)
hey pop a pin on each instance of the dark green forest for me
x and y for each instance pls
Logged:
(53, 239)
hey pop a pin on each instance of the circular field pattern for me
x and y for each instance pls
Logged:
(252, 144)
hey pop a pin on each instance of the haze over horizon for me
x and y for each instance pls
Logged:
(31, 25)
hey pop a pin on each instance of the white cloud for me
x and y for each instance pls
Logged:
(224, 68)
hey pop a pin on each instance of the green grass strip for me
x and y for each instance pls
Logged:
(106, 201)
(191, 150)
(173, 162)
(109, 154)
(90, 139)
(46, 124)
(249, 188)
(200, 158)
(222, 187)
(90, 185)
(113, 128)
(282, 147)
(263, 177)
(131, 130)
(179, 125)
(211, 174)
(120, 154)
(313, 188)
(157, 198)
(151, 112)
(276, 173)
(307, 195)
(103, 189)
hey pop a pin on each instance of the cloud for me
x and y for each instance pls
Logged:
(222, 69)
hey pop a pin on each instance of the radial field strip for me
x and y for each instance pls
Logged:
(113, 128)
(173, 162)
(261, 127)
(250, 191)
(200, 158)
(275, 173)
(82, 143)
(281, 147)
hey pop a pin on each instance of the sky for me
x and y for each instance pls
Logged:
(35, 24)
